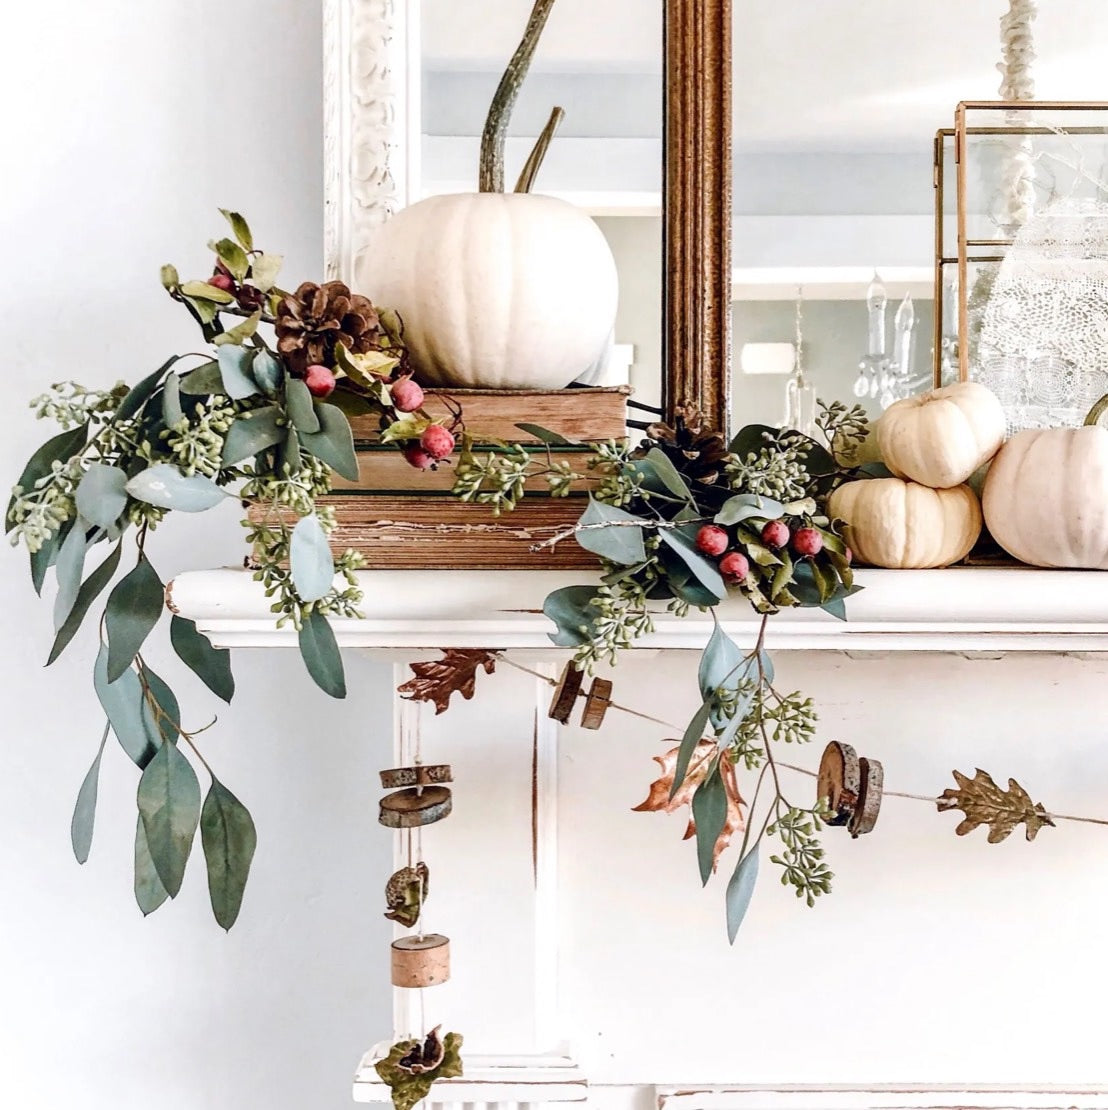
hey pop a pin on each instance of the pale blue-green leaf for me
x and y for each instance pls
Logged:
(251, 433)
(709, 810)
(334, 442)
(268, 372)
(298, 401)
(164, 723)
(740, 889)
(46, 557)
(69, 571)
(707, 574)
(211, 665)
(203, 381)
(165, 486)
(102, 495)
(171, 400)
(747, 505)
(229, 838)
(123, 702)
(59, 448)
(721, 663)
(133, 609)
(313, 568)
(149, 891)
(611, 533)
(169, 803)
(320, 652)
(694, 733)
(668, 474)
(571, 609)
(240, 227)
(234, 369)
(84, 812)
(90, 590)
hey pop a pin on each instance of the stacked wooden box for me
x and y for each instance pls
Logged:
(403, 518)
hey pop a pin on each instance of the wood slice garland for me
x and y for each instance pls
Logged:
(852, 787)
(596, 704)
(423, 774)
(420, 961)
(566, 693)
(869, 801)
(415, 807)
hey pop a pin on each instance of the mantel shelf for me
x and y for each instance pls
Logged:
(959, 609)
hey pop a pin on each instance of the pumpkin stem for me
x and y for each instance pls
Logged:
(1097, 411)
(534, 161)
(491, 179)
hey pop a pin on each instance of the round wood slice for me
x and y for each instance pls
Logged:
(420, 961)
(596, 704)
(869, 801)
(840, 782)
(408, 809)
(423, 774)
(565, 693)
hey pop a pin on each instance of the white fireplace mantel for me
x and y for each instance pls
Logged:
(953, 610)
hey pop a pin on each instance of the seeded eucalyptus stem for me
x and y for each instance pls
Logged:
(491, 177)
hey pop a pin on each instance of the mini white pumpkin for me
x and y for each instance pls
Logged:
(906, 526)
(1046, 497)
(496, 290)
(941, 437)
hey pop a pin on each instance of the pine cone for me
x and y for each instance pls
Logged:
(698, 452)
(315, 319)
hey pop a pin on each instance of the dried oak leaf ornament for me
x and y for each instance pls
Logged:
(985, 803)
(455, 673)
(411, 1067)
(700, 762)
(405, 893)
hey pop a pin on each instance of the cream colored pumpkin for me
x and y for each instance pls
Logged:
(496, 290)
(941, 437)
(906, 526)
(1046, 497)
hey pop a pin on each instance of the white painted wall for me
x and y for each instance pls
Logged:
(126, 126)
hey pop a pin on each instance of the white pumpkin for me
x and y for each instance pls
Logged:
(496, 290)
(1046, 497)
(906, 526)
(941, 437)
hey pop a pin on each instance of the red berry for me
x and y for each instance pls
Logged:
(807, 541)
(436, 441)
(734, 566)
(222, 281)
(417, 457)
(775, 534)
(319, 380)
(407, 395)
(712, 540)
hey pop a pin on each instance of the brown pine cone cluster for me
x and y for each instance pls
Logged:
(314, 320)
(697, 451)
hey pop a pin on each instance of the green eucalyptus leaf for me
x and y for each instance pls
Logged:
(709, 810)
(668, 474)
(204, 381)
(234, 369)
(611, 533)
(133, 609)
(169, 804)
(694, 733)
(571, 609)
(752, 438)
(59, 448)
(229, 838)
(746, 505)
(544, 435)
(722, 665)
(333, 443)
(310, 559)
(165, 486)
(298, 401)
(706, 572)
(102, 495)
(288, 452)
(84, 812)
(241, 332)
(149, 891)
(740, 889)
(264, 269)
(321, 655)
(210, 664)
(47, 556)
(202, 291)
(268, 372)
(232, 256)
(252, 433)
(69, 571)
(124, 704)
(172, 412)
(142, 392)
(90, 590)
(158, 729)
(240, 227)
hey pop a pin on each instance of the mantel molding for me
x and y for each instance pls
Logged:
(955, 610)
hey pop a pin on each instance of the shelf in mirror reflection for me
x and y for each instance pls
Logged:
(828, 283)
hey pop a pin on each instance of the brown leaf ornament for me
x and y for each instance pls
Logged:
(437, 680)
(985, 803)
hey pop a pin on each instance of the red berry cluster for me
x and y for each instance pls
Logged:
(735, 566)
